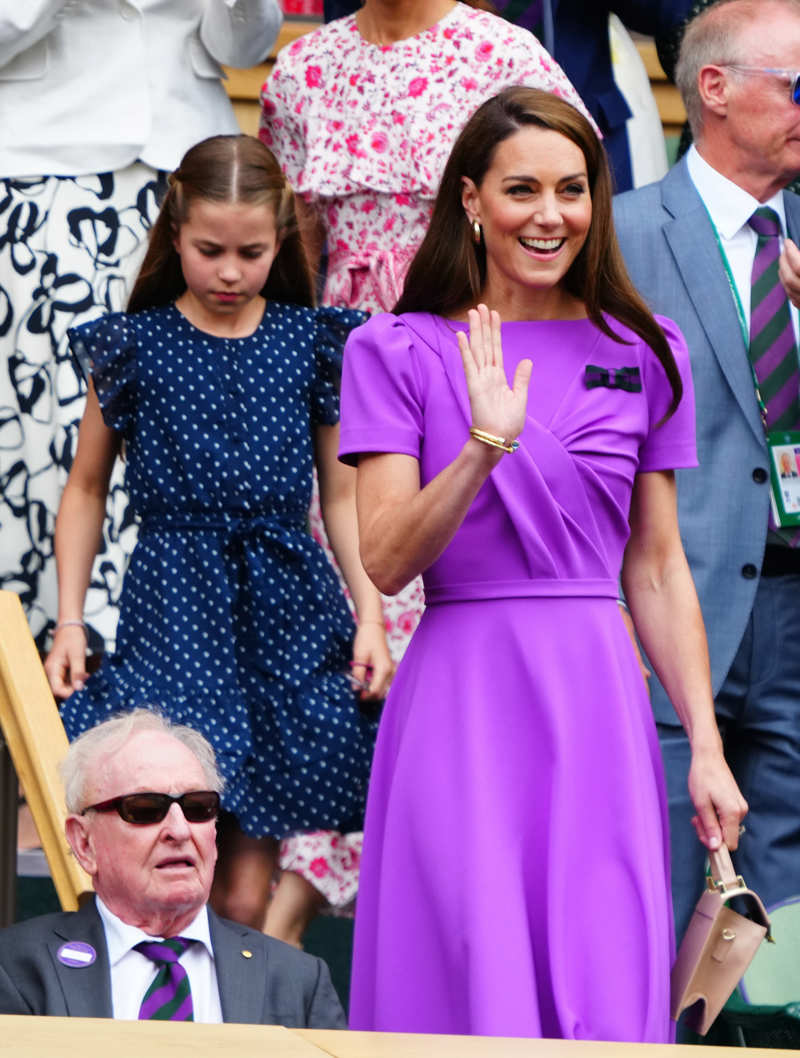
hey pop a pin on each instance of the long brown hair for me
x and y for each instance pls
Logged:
(448, 272)
(224, 169)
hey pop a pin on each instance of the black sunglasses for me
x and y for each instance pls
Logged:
(198, 806)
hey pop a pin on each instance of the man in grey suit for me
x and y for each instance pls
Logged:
(690, 250)
(142, 796)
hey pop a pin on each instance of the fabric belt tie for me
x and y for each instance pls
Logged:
(381, 273)
(476, 591)
(287, 529)
(169, 997)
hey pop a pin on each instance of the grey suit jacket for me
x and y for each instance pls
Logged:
(275, 985)
(671, 252)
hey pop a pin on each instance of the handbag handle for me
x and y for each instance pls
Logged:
(722, 871)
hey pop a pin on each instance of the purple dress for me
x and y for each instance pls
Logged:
(515, 877)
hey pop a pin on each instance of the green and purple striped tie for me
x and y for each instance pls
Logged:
(169, 997)
(773, 350)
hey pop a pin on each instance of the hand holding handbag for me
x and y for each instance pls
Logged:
(718, 946)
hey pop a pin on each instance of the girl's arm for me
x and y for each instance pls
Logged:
(661, 595)
(337, 496)
(78, 531)
(404, 529)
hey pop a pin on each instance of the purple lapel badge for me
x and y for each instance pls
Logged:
(76, 953)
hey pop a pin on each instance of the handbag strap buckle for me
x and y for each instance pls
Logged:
(722, 885)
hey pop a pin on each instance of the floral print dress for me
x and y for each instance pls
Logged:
(363, 132)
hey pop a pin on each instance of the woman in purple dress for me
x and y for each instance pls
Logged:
(515, 878)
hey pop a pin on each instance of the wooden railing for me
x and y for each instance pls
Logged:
(35, 737)
(40, 1037)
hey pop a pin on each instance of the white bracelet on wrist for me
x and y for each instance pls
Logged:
(76, 623)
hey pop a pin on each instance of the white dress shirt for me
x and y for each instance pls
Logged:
(730, 207)
(132, 973)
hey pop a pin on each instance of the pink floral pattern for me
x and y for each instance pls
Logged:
(328, 860)
(363, 133)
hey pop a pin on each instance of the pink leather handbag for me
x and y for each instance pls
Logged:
(718, 946)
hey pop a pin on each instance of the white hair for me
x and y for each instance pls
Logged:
(110, 735)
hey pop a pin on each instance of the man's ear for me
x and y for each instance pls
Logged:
(469, 199)
(79, 839)
(714, 85)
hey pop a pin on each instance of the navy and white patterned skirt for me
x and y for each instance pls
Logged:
(69, 250)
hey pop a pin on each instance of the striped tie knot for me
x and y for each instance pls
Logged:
(765, 222)
(169, 997)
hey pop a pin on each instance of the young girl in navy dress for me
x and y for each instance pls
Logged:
(220, 388)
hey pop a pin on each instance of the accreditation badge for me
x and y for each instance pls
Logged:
(784, 465)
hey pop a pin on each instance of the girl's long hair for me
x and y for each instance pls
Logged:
(448, 272)
(224, 169)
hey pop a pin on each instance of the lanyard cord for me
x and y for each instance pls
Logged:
(742, 319)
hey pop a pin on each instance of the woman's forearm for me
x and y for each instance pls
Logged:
(660, 591)
(669, 624)
(404, 529)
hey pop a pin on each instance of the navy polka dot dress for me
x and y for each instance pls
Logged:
(231, 617)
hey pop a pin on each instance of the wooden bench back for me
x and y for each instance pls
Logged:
(37, 742)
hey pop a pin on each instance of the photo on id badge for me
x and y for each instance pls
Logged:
(784, 449)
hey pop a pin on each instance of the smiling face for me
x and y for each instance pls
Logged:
(535, 209)
(156, 876)
(226, 251)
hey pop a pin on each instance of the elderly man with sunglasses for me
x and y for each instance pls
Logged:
(712, 245)
(143, 796)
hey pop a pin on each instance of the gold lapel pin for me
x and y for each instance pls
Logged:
(247, 954)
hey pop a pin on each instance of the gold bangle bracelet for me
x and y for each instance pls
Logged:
(493, 440)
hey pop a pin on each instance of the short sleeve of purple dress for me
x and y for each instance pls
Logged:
(515, 878)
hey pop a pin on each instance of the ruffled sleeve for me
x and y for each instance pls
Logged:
(333, 325)
(107, 348)
(382, 391)
(672, 444)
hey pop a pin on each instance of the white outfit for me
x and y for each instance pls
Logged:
(92, 85)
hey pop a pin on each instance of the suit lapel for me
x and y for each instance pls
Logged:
(87, 989)
(791, 204)
(693, 243)
(241, 970)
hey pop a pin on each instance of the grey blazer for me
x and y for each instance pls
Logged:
(671, 252)
(276, 985)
